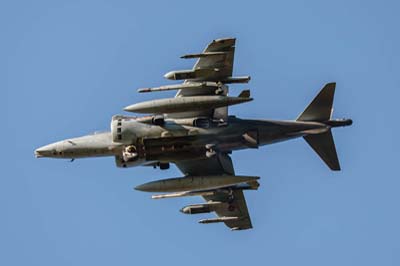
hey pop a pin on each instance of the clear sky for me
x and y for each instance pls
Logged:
(67, 66)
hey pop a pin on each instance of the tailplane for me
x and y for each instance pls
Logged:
(324, 146)
(320, 110)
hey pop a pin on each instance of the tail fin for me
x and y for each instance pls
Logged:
(320, 110)
(324, 146)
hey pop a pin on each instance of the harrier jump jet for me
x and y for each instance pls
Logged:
(194, 131)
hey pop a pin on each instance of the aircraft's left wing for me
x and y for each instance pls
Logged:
(236, 208)
(233, 208)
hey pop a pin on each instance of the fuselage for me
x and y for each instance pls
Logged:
(138, 142)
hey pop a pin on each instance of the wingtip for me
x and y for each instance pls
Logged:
(331, 85)
(222, 40)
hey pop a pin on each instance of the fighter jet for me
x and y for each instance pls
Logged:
(194, 131)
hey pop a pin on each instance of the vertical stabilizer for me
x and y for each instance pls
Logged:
(320, 109)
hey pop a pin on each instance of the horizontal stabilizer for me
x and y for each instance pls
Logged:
(324, 145)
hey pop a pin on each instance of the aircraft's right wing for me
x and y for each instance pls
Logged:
(233, 210)
(223, 61)
(208, 77)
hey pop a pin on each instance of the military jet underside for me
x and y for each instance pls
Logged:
(194, 131)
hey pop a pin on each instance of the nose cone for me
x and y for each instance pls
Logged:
(153, 186)
(143, 187)
(130, 108)
(46, 151)
(143, 107)
(185, 210)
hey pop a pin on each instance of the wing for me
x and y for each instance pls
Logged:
(235, 208)
(233, 201)
(222, 53)
(208, 77)
(222, 60)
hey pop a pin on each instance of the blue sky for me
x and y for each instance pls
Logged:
(67, 66)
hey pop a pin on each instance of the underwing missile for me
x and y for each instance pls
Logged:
(206, 54)
(205, 74)
(183, 104)
(183, 86)
(201, 208)
(183, 194)
(218, 220)
(241, 79)
(181, 184)
(196, 209)
(253, 185)
(191, 73)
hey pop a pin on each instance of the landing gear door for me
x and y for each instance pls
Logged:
(251, 139)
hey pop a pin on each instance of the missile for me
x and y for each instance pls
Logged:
(201, 208)
(187, 183)
(218, 220)
(206, 54)
(241, 79)
(183, 86)
(214, 74)
(195, 209)
(253, 185)
(183, 104)
(183, 194)
(192, 73)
